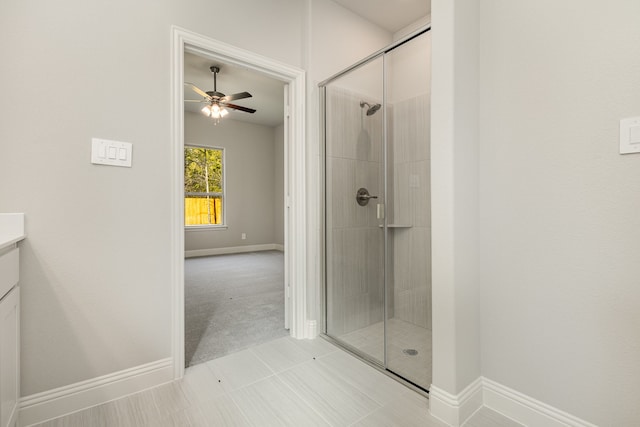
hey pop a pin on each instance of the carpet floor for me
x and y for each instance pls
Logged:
(232, 302)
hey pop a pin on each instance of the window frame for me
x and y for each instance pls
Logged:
(222, 195)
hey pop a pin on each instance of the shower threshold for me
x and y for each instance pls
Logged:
(405, 367)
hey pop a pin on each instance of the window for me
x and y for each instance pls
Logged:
(203, 186)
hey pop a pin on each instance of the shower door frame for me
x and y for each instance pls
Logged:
(383, 367)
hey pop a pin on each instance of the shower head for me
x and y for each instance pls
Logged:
(372, 108)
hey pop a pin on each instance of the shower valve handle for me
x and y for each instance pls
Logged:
(363, 196)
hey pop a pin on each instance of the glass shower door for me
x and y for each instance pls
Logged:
(354, 210)
(378, 209)
(408, 332)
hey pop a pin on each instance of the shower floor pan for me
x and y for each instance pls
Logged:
(409, 348)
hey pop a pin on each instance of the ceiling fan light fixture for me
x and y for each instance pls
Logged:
(218, 101)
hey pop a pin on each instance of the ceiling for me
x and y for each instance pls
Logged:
(391, 15)
(268, 93)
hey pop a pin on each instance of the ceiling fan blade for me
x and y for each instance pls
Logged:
(199, 91)
(196, 100)
(238, 107)
(235, 96)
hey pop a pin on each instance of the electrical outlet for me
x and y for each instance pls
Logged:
(244, 236)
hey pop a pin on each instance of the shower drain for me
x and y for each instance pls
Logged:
(410, 352)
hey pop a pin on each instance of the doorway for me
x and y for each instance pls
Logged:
(234, 209)
(294, 165)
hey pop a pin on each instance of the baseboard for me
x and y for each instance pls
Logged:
(233, 250)
(526, 410)
(311, 329)
(454, 410)
(54, 403)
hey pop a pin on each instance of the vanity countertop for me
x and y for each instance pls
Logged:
(11, 229)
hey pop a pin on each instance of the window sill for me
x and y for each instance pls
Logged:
(204, 227)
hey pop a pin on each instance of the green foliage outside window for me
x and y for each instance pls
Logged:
(203, 185)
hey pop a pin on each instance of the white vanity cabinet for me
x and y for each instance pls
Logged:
(11, 232)
(9, 357)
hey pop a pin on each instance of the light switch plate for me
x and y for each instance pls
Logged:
(630, 135)
(111, 153)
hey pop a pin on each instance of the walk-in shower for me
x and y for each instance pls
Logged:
(377, 210)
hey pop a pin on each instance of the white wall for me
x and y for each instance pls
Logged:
(409, 70)
(95, 268)
(454, 196)
(339, 38)
(559, 206)
(250, 198)
(414, 26)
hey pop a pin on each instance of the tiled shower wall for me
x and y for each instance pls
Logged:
(354, 239)
(355, 257)
(410, 243)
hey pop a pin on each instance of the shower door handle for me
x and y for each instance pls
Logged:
(363, 196)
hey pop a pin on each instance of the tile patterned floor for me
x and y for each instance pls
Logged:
(401, 335)
(285, 382)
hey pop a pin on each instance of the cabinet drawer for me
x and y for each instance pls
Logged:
(9, 271)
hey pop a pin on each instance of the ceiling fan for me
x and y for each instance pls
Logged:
(218, 102)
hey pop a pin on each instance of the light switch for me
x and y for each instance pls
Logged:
(634, 135)
(630, 135)
(112, 153)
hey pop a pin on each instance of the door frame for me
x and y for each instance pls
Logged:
(295, 180)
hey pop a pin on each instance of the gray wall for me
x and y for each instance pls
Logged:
(252, 192)
(559, 205)
(95, 277)
(96, 288)
(278, 185)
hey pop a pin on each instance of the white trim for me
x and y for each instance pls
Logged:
(311, 329)
(286, 207)
(295, 171)
(526, 410)
(233, 250)
(456, 409)
(205, 227)
(296, 243)
(54, 403)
